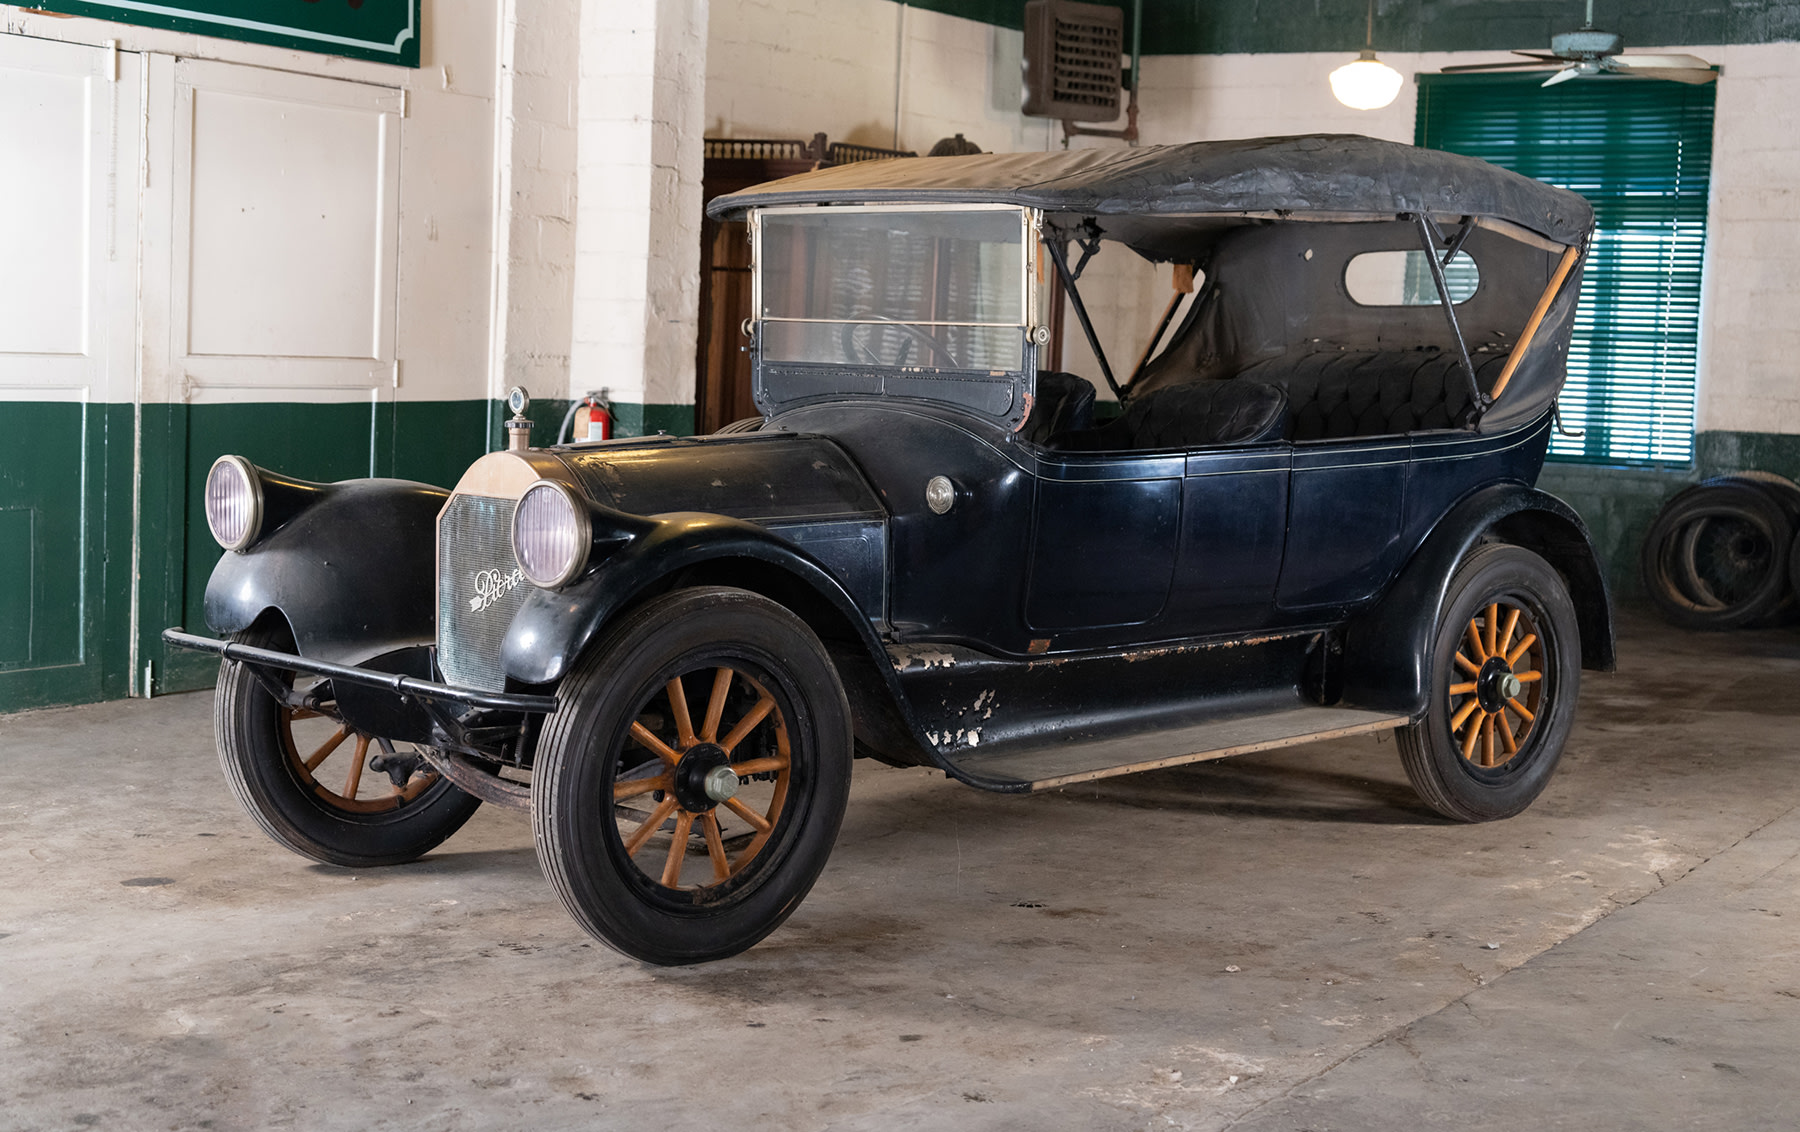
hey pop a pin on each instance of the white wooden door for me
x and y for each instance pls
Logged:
(69, 144)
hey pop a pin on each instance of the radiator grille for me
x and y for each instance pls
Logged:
(479, 589)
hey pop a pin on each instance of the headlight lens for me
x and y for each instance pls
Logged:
(234, 503)
(551, 534)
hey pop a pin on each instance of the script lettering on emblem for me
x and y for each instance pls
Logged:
(492, 585)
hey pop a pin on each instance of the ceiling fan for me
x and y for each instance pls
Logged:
(1590, 51)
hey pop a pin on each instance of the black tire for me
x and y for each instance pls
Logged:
(1479, 753)
(366, 822)
(623, 761)
(1716, 556)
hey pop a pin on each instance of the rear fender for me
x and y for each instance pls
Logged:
(352, 572)
(1387, 648)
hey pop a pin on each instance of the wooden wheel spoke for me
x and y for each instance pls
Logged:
(1468, 748)
(715, 707)
(324, 751)
(715, 846)
(643, 832)
(1493, 628)
(1524, 713)
(1462, 713)
(633, 787)
(684, 722)
(1506, 736)
(1475, 646)
(1463, 689)
(1520, 650)
(1466, 664)
(756, 820)
(759, 766)
(684, 826)
(747, 724)
(1487, 741)
(648, 738)
(1527, 677)
(354, 778)
(1506, 633)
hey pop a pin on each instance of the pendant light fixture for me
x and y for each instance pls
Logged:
(1368, 83)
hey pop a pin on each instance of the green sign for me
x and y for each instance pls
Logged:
(384, 30)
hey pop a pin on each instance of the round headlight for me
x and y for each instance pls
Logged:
(234, 502)
(551, 534)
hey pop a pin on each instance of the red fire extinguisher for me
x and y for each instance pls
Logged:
(593, 421)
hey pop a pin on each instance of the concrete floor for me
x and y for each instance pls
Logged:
(1280, 942)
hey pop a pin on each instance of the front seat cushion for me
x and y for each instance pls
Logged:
(1205, 413)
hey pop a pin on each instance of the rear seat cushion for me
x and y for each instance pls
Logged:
(1344, 394)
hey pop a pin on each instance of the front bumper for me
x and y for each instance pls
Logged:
(426, 693)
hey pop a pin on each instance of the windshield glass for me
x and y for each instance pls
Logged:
(912, 288)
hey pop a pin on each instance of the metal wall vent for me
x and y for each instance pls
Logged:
(1071, 64)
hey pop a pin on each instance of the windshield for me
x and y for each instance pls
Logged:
(913, 288)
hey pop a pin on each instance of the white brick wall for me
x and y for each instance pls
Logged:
(636, 293)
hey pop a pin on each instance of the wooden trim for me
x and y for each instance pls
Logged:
(1221, 753)
(1569, 257)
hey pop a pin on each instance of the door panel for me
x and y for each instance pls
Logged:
(1233, 528)
(1344, 513)
(68, 157)
(1103, 551)
(283, 238)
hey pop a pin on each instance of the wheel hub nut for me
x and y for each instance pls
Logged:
(721, 783)
(1510, 686)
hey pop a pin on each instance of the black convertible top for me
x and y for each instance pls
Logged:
(1331, 174)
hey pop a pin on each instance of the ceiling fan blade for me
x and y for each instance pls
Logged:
(1693, 76)
(1563, 76)
(1533, 65)
(1635, 62)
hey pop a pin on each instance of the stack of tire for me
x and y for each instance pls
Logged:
(1722, 554)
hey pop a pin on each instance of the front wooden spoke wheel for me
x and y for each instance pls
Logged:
(331, 759)
(1497, 685)
(713, 788)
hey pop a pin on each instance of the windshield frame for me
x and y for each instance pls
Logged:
(1031, 273)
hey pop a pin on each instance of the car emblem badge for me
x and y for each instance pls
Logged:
(492, 585)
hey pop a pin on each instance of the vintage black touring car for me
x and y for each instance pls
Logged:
(1314, 517)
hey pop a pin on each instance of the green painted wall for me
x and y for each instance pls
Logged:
(1188, 27)
(65, 553)
(1619, 503)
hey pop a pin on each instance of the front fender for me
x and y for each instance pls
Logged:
(1388, 647)
(352, 572)
(553, 627)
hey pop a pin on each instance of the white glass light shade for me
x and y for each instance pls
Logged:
(1367, 84)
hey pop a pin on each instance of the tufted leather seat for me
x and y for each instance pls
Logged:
(1190, 416)
(1064, 403)
(1337, 395)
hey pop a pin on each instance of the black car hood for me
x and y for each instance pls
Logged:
(765, 478)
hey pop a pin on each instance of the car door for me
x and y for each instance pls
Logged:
(1105, 537)
(1344, 519)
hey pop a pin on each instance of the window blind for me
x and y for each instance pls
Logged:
(1640, 150)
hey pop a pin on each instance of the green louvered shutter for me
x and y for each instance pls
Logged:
(1641, 151)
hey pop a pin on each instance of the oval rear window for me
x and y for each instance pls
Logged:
(1403, 279)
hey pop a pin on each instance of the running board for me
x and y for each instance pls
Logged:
(1022, 766)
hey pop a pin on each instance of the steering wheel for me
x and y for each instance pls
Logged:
(854, 345)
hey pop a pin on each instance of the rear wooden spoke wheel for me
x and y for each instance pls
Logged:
(687, 792)
(1497, 684)
(318, 785)
(1505, 668)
